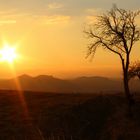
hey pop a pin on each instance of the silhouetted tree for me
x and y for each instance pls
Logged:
(117, 32)
(134, 70)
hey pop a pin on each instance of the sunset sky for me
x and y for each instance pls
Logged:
(49, 38)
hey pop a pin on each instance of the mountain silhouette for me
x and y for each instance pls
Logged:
(97, 84)
(45, 83)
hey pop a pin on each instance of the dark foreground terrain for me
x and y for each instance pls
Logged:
(49, 116)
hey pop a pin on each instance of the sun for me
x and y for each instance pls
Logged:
(8, 54)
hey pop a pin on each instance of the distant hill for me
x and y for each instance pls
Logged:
(97, 84)
(42, 83)
(47, 83)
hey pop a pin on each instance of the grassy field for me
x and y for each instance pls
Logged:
(49, 116)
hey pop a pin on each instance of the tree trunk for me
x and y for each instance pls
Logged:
(126, 88)
(125, 66)
(129, 96)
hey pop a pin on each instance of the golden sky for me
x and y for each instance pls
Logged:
(48, 35)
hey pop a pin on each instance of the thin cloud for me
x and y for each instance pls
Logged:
(91, 19)
(55, 5)
(5, 22)
(49, 20)
(91, 15)
(9, 16)
(94, 11)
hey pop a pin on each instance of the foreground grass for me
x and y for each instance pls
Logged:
(50, 116)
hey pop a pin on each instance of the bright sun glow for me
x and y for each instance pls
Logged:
(8, 54)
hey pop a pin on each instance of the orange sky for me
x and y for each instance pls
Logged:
(50, 40)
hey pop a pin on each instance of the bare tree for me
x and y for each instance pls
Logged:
(117, 32)
(134, 70)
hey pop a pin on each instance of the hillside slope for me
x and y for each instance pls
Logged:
(46, 83)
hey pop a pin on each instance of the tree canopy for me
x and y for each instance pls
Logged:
(134, 70)
(116, 31)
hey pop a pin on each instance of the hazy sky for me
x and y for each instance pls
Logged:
(50, 39)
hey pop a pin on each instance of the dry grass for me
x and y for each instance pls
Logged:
(66, 117)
